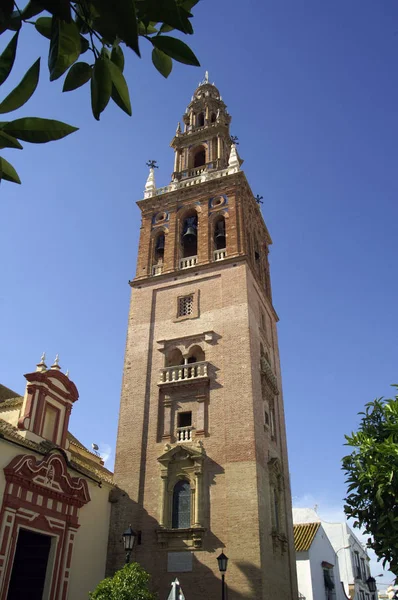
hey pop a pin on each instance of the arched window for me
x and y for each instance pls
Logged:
(219, 234)
(213, 117)
(181, 517)
(189, 238)
(199, 158)
(159, 248)
(174, 358)
(201, 120)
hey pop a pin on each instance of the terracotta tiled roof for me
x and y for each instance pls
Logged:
(81, 463)
(6, 393)
(304, 534)
(11, 403)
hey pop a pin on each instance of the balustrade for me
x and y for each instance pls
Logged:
(189, 261)
(184, 434)
(190, 371)
(157, 269)
(220, 254)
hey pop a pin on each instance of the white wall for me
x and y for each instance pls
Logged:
(322, 550)
(89, 551)
(304, 575)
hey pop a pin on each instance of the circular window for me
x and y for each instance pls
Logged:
(160, 217)
(217, 201)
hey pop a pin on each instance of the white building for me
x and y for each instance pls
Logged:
(352, 558)
(317, 565)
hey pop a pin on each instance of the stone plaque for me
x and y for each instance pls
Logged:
(179, 562)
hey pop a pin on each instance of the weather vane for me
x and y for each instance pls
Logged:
(152, 164)
(235, 140)
(259, 199)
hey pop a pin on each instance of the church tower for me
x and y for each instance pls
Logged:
(201, 457)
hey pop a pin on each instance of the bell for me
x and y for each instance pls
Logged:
(220, 232)
(189, 235)
(160, 244)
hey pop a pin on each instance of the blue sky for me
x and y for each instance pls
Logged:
(312, 89)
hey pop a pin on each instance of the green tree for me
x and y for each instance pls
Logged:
(130, 583)
(100, 28)
(372, 478)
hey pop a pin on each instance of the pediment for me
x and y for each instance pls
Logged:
(181, 453)
(49, 476)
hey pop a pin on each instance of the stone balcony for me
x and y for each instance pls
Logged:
(157, 269)
(184, 434)
(220, 254)
(189, 261)
(184, 373)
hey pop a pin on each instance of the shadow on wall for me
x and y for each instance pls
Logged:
(202, 583)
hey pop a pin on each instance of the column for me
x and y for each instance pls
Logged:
(163, 521)
(200, 416)
(198, 498)
(218, 147)
(167, 419)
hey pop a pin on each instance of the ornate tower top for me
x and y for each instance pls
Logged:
(204, 145)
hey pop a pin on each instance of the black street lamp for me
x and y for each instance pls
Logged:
(222, 566)
(129, 537)
(371, 583)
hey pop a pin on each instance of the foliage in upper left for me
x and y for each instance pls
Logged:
(74, 27)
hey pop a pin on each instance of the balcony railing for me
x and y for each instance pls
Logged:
(189, 261)
(157, 269)
(185, 373)
(220, 254)
(184, 434)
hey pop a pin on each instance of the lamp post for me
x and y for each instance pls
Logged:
(129, 537)
(222, 566)
(371, 583)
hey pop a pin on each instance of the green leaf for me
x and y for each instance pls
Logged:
(38, 131)
(7, 141)
(77, 76)
(121, 97)
(146, 29)
(162, 62)
(6, 7)
(58, 8)
(65, 47)
(7, 58)
(32, 9)
(8, 172)
(176, 49)
(84, 44)
(166, 28)
(118, 19)
(23, 91)
(101, 85)
(168, 12)
(44, 26)
(117, 57)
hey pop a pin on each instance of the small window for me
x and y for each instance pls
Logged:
(256, 256)
(49, 423)
(201, 120)
(184, 419)
(181, 518)
(272, 423)
(185, 306)
(213, 117)
(266, 418)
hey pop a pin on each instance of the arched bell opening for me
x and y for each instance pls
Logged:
(198, 157)
(189, 236)
(159, 248)
(219, 235)
(213, 118)
(200, 120)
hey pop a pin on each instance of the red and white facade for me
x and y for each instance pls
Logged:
(52, 488)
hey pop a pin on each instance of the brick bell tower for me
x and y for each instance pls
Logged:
(201, 452)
